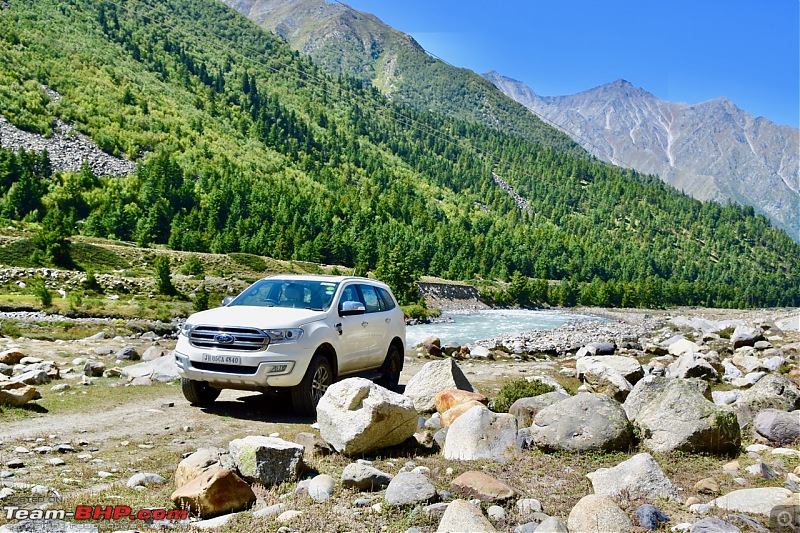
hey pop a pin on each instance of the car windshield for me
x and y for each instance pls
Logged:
(303, 294)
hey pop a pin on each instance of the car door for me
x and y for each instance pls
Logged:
(354, 341)
(378, 325)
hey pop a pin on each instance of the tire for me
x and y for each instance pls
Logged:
(307, 394)
(391, 369)
(199, 392)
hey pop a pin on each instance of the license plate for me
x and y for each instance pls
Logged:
(222, 359)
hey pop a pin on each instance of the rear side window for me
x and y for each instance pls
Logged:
(388, 301)
(371, 299)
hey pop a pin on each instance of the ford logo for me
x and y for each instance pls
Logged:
(224, 338)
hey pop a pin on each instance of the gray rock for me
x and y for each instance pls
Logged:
(725, 397)
(410, 488)
(771, 392)
(731, 371)
(525, 409)
(153, 352)
(356, 416)
(713, 525)
(638, 478)
(552, 525)
(94, 369)
(607, 380)
(673, 414)
(461, 516)
(762, 470)
(649, 516)
(321, 488)
(266, 460)
(272, 510)
(163, 369)
(364, 477)
(33, 377)
(581, 423)
(691, 365)
(481, 434)
(629, 367)
(127, 353)
(435, 510)
(746, 336)
(777, 427)
(598, 513)
(759, 501)
(144, 479)
(433, 378)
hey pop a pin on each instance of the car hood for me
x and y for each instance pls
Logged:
(256, 317)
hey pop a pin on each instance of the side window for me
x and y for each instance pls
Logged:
(371, 300)
(349, 294)
(388, 301)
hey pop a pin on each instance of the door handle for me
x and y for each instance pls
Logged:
(365, 324)
(387, 320)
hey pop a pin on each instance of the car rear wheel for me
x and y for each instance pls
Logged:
(391, 369)
(307, 394)
(199, 392)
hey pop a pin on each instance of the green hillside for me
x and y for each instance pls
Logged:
(246, 146)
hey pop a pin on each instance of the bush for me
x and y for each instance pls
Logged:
(42, 292)
(515, 389)
(253, 262)
(200, 302)
(420, 312)
(192, 267)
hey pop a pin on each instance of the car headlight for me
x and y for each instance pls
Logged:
(284, 335)
(185, 329)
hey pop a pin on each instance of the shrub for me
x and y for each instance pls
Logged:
(253, 262)
(192, 267)
(42, 292)
(515, 389)
(200, 300)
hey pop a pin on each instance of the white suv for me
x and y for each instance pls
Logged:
(297, 332)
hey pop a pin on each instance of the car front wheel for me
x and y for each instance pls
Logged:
(199, 392)
(316, 381)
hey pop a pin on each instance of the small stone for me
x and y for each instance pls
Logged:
(707, 486)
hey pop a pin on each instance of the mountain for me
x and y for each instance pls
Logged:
(343, 41)
(712, 150)
(242, 144)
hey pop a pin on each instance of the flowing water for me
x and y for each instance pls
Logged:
(469, 327)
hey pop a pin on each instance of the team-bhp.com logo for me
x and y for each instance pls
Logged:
(95, 512)
(785, 519)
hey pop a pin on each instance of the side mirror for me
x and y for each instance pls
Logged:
(352, 308)
(227, 300)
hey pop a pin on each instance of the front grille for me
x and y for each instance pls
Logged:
(226, 369)
(241, 339)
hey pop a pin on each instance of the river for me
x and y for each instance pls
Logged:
(469, 327)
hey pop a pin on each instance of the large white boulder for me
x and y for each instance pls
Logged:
(629, 367)
(433, 378)
(357, 416)
(638, 478)
(481, 434)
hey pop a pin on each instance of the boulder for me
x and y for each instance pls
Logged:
(482, 486)
(770, 392)
(673, 414)
(128, 353)
(197, 464)
(777, 427)
(692, 365)
(746, 336)
(94, 369)
(17, 394)
(713, 525)
(759, 501)
(552, 524)
(638, 478)
(364, 477)
(214, 493)
(607, 380)
(266, 460)
(596, 348)
(481, 434)
(432, 379)
(33, 377)
(321, 488)
(461, 516)
(582, 423)
(152, 353)
(629, 367)
(649, 516)
(598, 513)
(356, 416)
(410, 488)
(525, 409)
(448, 417)
(447, 399)
(683, 346)
(11, 357)
(433, 346)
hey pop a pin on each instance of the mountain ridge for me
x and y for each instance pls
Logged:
(712, 150)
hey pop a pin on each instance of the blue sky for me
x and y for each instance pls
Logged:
(683, 50)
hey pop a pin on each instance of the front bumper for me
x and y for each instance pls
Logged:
(280, 365)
